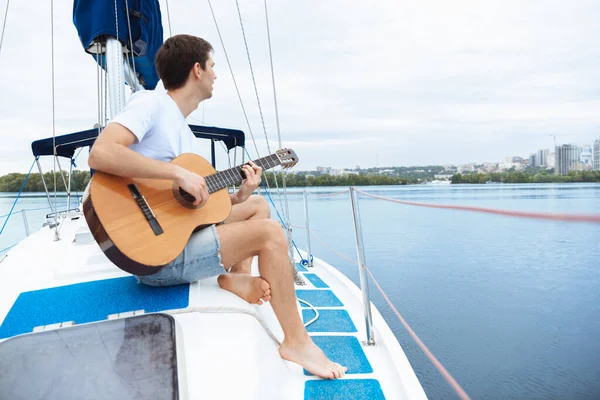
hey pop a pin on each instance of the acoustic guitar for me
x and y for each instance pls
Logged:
(143, 224)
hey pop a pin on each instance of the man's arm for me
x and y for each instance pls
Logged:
(111, 154)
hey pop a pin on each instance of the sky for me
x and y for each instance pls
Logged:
(358, 83)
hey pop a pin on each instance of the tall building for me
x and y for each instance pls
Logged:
(597, 155)
(533, 160)
(586, 158)
(566, 158)
(542, 158)
(552, 160)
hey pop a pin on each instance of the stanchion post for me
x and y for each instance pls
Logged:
(307, 225)
(364, 280)
(25, 223)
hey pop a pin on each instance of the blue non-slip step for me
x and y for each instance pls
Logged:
(343, 389)
(300, 267)
(344, 350)
(316, 281)
(329, 321)
(319, 298)
(89, 302)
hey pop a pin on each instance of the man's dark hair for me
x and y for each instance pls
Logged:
(177, 56)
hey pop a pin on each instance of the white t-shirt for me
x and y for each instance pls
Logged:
(159, 126)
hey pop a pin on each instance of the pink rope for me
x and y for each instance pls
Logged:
(327, 194)
(451, 381)
(590, 218)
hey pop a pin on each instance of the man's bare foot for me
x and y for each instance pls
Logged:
(253, 289)
(312, 358)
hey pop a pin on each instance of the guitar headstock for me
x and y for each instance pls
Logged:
(287, 157)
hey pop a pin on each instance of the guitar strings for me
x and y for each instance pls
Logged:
(261, 162)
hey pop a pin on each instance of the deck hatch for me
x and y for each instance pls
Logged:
(132, 358)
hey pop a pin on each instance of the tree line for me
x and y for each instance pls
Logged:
(527, 176)
(79, 180)
(14, 181)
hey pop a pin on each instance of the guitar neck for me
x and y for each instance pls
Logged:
(234, 176)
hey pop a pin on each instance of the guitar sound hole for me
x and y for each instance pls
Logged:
(185, 196)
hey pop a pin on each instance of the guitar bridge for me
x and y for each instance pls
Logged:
(146, 210)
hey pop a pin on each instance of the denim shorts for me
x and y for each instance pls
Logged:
(200, 259)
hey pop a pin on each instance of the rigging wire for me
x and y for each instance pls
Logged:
(133, 85)
(234, 80)
(169, 19)
(257, 98)
(4, 25)
(285, 210)
(285, 195)
(55, 159)
(119, 65)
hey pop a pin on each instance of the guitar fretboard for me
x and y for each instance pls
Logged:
(233, 176)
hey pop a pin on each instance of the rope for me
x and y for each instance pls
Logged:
(590, 218)
(328, 194)
(228, 310)
(4, 25)
(451, 381)
(18, 195)
(316, 317)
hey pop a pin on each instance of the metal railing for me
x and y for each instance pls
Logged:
(26, 226)
(364, 279)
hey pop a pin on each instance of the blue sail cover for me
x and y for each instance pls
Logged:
(95, 18)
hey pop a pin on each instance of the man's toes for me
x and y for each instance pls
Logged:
(267, 292)
(266, 298)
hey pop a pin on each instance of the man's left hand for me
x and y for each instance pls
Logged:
(253, 175)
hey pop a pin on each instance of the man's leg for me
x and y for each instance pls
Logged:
(254, 290)
(265, 238)
(255, 207)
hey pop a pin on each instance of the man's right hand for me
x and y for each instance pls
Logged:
(194, 184)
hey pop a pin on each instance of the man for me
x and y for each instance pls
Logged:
(150, 132)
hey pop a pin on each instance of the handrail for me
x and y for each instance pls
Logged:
(17, 198)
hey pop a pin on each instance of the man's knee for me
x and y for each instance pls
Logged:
(261, 206)
(273, 235)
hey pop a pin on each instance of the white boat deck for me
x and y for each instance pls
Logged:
(224, 350)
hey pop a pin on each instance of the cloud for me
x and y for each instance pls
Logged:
(384, 82)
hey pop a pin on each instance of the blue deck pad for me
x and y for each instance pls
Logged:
(89, 302)
(343, 389)
(300, 267)
(344, 350)
(329, 321)
(316, 281)
(319, 298)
